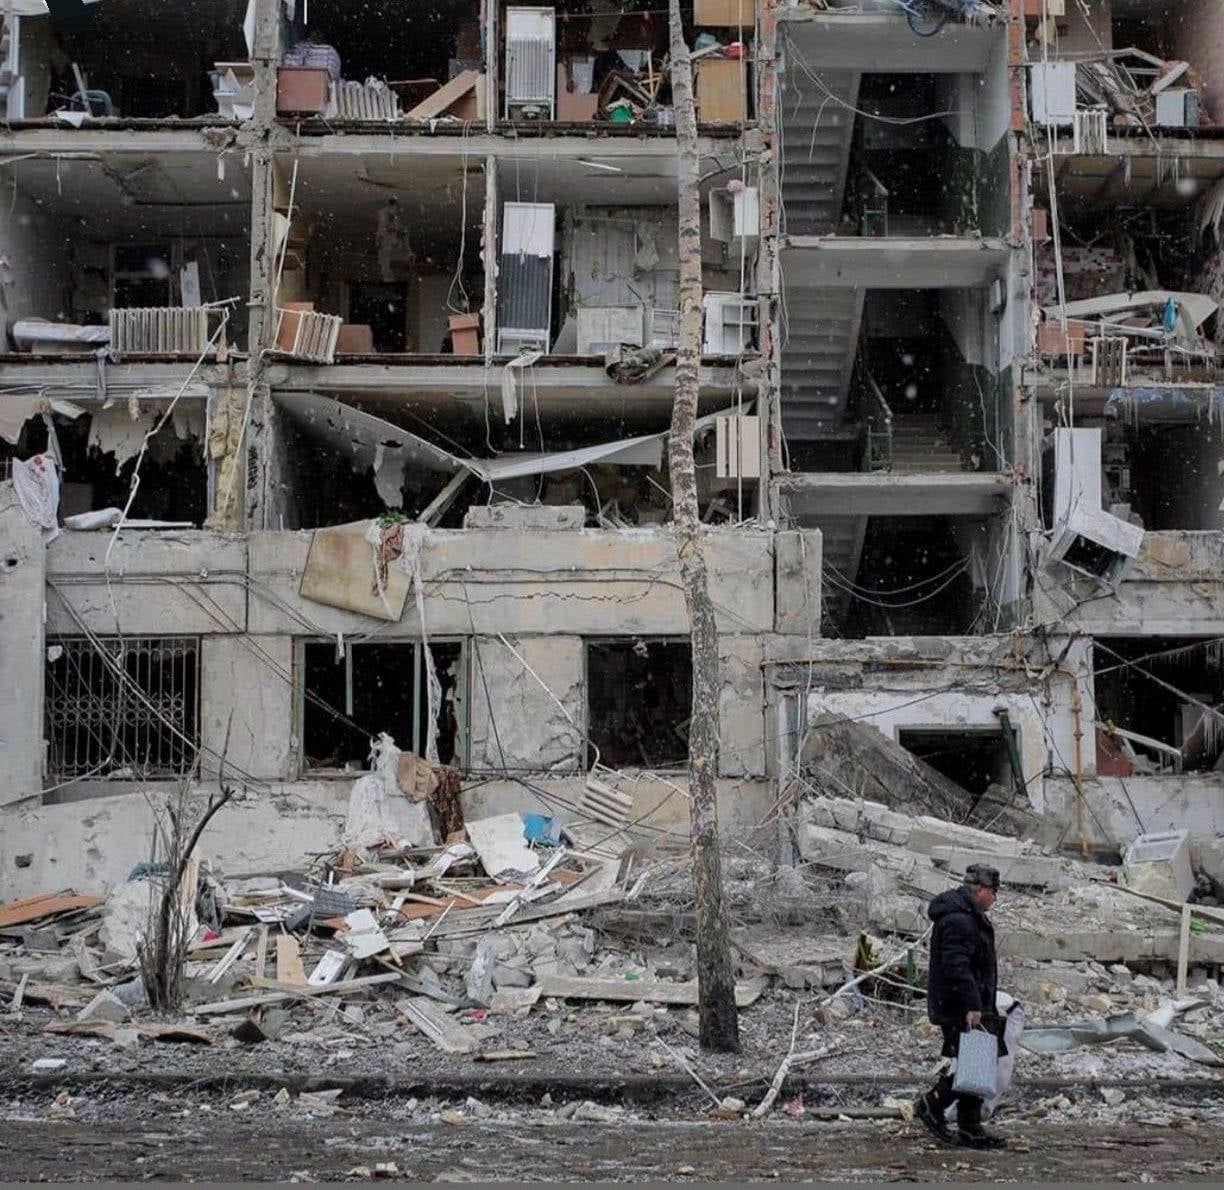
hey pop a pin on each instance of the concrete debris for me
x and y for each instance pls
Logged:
(105, 1006)
(591, 969)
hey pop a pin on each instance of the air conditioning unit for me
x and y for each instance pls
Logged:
(531, 63)
(1097, 544)
(525, 277)
(161, 330)
(363, 101)
(1178, 107)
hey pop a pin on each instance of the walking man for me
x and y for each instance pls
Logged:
(960, 996)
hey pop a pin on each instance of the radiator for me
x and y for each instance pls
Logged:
(529, 70)
(163, 330)
(314, 338)
(364, 101)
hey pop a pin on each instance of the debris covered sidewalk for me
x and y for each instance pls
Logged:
(516, 951)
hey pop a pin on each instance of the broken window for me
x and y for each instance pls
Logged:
(639, 699)
(143, 59)
(92, 236)
(573, 65)
(121, 708)
(976, 758)
(99, 450)
(352, 694)
(1156, 700)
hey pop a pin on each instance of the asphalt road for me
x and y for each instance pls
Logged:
(266, 1144)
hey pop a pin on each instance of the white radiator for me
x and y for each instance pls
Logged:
(531, 59)
(163, 330)
(314, 338)
(371, 100)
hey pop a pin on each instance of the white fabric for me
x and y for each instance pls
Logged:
(27, 331)
(414, 540)
(37, 484)
(378, 808)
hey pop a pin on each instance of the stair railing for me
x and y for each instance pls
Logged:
(878, 427)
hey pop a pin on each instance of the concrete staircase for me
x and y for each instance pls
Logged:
(821, 338)
(822, 325)
(919, 446)
(817, 128)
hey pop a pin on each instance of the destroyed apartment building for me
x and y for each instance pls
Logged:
(337, 371)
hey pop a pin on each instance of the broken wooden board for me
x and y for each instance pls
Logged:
(445, 97)
(107, 1029)
(441, 1028)
(17, 913)
(289, 967)
(339, 572)
(653, 991)
(307, 990)
(57, 995)
(477, 922)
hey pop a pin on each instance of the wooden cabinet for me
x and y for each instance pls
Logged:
(720, 90)
(725, 13)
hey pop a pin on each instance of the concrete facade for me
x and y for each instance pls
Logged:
(887, 555)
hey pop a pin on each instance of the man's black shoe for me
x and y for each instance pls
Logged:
(979, 1138)
(934, 1120)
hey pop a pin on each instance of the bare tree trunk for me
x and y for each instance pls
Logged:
(716, 984)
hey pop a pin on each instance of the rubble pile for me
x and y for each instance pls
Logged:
(514, 938)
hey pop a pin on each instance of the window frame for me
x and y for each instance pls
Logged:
(462, 699)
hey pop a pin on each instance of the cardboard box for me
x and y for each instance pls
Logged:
(465, 334)
(573, 106)
(301, 91)
(727, 13)
(719, 83)
(1036, 9)
(355, 339)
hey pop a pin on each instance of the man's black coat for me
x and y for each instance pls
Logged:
(964, 974)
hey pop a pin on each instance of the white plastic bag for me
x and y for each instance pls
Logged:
(977, 1065)
(1013, 1015)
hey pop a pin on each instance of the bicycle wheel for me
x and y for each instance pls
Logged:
(926, 17)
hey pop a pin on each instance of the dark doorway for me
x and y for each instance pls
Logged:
(639, 699)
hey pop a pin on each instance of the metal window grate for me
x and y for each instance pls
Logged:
(122, 707)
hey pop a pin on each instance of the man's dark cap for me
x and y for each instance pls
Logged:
(984, 875)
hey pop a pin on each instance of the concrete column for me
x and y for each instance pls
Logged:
(246, 693)
(23, 576)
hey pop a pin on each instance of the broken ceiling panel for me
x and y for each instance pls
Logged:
(370, 443)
